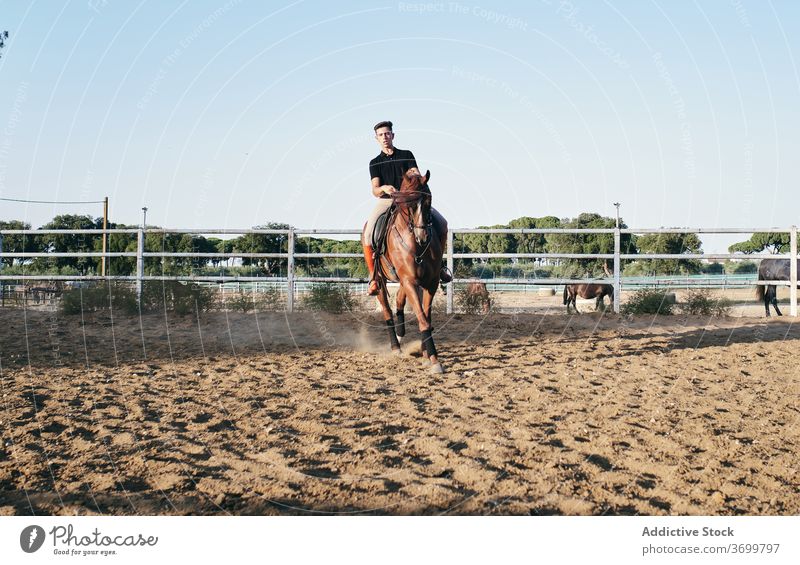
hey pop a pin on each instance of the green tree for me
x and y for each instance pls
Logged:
(176, 243)
(119, 243)
(221, 246)
(760, 241)
(672, 244)
(533, 242)
(17, 243)
(594, 243)
(265, 243)
(69, 243)
(714, 268)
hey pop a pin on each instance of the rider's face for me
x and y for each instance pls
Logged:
(385, 137)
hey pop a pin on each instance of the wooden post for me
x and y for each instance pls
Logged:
(451, 285)
(617, 283)
(105, 236)
(793, 271)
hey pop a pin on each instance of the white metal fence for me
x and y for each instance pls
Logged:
(291, 255)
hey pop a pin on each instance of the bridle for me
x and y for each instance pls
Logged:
(404, 200)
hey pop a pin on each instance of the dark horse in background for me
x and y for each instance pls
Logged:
(591, 290)
(772, 270)
(412, 257)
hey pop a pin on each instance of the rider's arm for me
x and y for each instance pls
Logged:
(378, 188)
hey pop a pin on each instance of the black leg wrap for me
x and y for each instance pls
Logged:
(392, 335)
(427, 342)
(400, 326)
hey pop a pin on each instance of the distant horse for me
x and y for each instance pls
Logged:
(772, 270)
(413, 256)
(479, 291)
(599, 291)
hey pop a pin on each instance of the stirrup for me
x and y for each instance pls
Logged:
(445, 276)
(373, 288)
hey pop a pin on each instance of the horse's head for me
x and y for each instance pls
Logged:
(415, 196)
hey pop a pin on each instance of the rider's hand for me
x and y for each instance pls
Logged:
(389, 189)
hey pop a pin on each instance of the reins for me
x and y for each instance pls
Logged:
(404, 200)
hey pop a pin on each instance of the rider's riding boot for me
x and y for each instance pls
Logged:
(445, 276)
(369, 257)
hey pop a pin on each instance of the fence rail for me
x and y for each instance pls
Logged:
(291, 255)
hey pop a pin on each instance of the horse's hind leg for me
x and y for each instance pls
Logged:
(400, 325)
(773, 292)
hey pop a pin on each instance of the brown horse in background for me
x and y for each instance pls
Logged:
(481, 294)
(591, 290)
(413, 257)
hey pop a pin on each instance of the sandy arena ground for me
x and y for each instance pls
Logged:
(304, 414)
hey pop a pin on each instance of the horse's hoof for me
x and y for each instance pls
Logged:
(437, 369)
(397, 352)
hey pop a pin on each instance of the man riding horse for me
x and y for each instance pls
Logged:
(387, 171)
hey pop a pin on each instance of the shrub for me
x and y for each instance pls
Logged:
(701, 301)
(181, 298)
(267, 300)
(187, 298)
(329, 297)
(745, 268)
(103, 296)
(648, 301)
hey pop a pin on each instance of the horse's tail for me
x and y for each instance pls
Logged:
(760, 290)
(565, 294)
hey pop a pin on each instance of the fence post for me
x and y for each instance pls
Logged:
(793, 271)
(290, 273)
(2, 283)
(139, 264)
(451, 285)
(617, 284)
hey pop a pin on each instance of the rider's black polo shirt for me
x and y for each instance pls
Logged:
(391, 168)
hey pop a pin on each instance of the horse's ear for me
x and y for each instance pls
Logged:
(427, 176)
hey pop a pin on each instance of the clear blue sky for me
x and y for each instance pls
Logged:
(236, 113)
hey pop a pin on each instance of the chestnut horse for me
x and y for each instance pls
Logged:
(599, 291)
(412, 257)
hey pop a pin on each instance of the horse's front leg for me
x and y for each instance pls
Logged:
(400, 326)
(428, 345)
(383, 298)
(424, 324)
